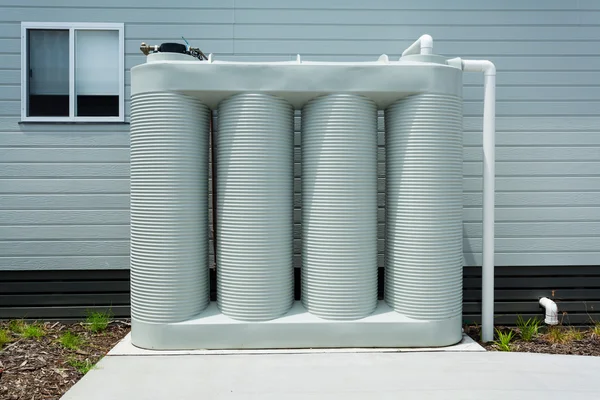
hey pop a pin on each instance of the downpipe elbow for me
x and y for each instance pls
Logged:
(551, 311)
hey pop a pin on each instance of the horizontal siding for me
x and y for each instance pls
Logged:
(576, 290)
(63, 217)
(64, 187)
(65, 233)
(123, 13)
(47, 263)
(65, 248)
(71, 294)
(38, 202)
(386, 5)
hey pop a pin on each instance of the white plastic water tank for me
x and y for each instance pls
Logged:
(421, 95)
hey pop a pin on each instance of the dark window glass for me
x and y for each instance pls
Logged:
(48, 78)
(97, 106)
(48, 105)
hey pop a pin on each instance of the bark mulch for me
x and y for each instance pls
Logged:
(41, 368)
(587, 345)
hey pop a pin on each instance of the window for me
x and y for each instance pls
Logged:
(72, 72)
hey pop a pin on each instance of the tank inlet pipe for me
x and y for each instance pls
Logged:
(551, 311)
(423, 45)
(489, 156)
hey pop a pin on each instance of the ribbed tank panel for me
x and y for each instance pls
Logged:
(339, 206)
(255, 207)
(169, 207)
(423, 254)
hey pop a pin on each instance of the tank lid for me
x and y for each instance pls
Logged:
(172, 48)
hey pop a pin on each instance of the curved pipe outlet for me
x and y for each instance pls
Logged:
(489, 160)
(551, 311)
(423, 45)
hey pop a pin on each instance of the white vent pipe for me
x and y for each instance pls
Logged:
(489, 156)
(423, 45)
(551, 311)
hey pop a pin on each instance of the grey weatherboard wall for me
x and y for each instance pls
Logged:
(64, 188)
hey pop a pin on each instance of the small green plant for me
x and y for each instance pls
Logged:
(528, 329)
(504, 339)
(5, 337)
(83, 367)
(33, 331)
(596, 330)
(17, 326)
(70, 340)
(556, 334)
(574, 334)
(98, 321)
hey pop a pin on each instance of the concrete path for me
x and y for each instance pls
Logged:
(342, 375)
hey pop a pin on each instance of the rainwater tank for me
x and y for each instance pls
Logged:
(172, 99)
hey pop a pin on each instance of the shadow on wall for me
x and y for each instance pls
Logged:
(469, 257)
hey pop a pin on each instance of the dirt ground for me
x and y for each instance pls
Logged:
(585, 344)
(42, 368)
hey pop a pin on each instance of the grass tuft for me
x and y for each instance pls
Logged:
(556, 334)
(596, 330)
(528, 329)
(70, 340)
(33, 331)
(17, 326)
(574, 334)
(97, 321)
(504, 339)
(83, 367)
(5, 337)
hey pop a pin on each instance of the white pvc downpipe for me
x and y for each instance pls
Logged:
(551, 311)
(423, 45)
(489, 156)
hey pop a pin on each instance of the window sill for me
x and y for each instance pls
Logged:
(50, 122)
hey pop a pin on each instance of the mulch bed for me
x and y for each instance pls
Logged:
(35, 369)
(589, 345)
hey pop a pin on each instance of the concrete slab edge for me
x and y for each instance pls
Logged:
(126, 348)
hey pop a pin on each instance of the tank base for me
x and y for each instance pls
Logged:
(296, 329)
